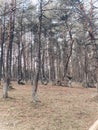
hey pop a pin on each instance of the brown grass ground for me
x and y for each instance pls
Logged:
(61, 108)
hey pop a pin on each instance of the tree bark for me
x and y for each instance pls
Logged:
(37, 71)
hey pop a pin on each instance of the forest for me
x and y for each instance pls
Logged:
(48, 64)
(50, 41)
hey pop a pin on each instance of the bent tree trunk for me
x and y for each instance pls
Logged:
(37, 71)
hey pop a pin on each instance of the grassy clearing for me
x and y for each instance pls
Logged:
(60, 109)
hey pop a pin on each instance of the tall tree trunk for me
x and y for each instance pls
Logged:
(24, 60)
(7, 68)
(2, 42)
(20, 45)
(8, 54)
(31, 59)
(1, 56)
(7, 74)
(51, 58)
(86, 68)
(37, 71)
(19, 62)
(12, 23)
(70, 51)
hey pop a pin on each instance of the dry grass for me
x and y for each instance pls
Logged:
(60, 109)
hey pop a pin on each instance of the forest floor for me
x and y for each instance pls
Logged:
(61, 108)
